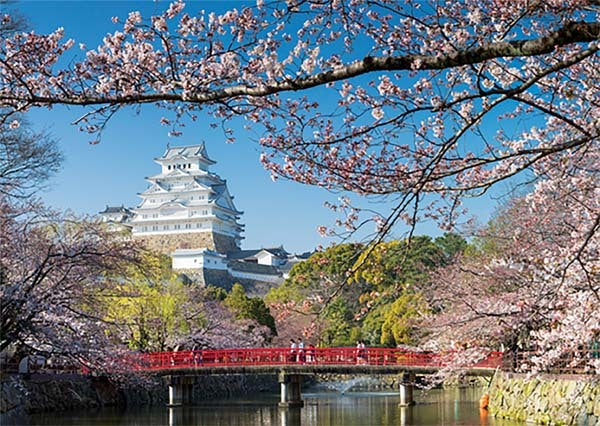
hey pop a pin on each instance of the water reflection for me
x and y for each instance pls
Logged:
(405, 415)
(290, 416)
(448, 407)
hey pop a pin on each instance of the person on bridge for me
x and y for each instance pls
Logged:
(197, 356)
(300, 350)
(310, 353)
(293, 347)
(360, 352)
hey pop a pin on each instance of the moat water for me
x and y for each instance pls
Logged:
(323, 408)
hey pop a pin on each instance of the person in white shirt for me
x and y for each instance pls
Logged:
(300, 350)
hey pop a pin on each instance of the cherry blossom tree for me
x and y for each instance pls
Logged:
(413, 85)
(27, 160)
(53, 272)
(221, 329)
(530, 288)
(422, 103)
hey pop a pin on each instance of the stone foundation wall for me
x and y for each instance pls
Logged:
(546, 399)
(188, 240)
(23, 395)
(223, 279)
(224, 243)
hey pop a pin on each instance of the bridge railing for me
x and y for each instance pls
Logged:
(581, 361)
(317, 356)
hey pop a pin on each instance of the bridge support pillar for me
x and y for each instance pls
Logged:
(180, 391)
(291, 390)
(406, 389)
(175, 395)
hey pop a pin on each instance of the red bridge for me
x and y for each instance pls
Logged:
(182, 368)
(227, 360)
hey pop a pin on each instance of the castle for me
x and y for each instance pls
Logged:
(188, 213)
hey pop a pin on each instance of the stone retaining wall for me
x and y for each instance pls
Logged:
(21, 395)
(223, 279)
(168, 243)
(546, 399)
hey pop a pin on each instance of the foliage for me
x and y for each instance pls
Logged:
(332, 288)
(395, 97)
(253, 308)
(55, 270)
(452, 245)
(27, 160)
(400, 318)
(216, 293)
(157, 311)
(527, 287)
(151, 306)
(403, 262)
(314, 277)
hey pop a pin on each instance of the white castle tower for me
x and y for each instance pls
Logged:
(186, 206)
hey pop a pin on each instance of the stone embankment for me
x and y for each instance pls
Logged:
(546, 399)
(21, 395)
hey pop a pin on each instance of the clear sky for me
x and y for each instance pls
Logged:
(112, 172)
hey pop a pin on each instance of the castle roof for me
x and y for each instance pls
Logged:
(255, 268)
(278, 252)
(115, 209)
(191, 151)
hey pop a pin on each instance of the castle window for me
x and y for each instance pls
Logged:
(155, 228)
(169, 167)
(166, 227)
(188, 226)
(177, 226)
(145, 229)
(204, 212)
(189, 166)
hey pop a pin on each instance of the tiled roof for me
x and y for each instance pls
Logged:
(245, 254)
(256, 268)
(190, 151)
(241, 254)
(119, 209)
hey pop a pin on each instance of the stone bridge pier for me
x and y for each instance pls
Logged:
(291, 390)
(407, 383)
(181, 390)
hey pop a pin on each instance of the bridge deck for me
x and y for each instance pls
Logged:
(313, 369)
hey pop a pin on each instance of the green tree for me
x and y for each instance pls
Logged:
(249, 307)
(338, 282)
(338, 324)
(154, 308)
(451, 244)
(398, 325)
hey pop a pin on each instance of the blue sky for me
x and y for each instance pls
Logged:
(112, 172)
